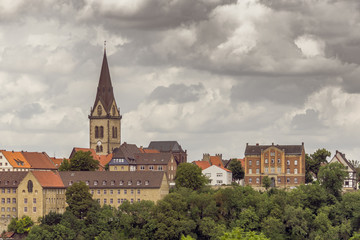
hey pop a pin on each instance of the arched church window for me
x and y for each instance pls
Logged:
(113, 111)
(30, 186)
(96, 132)
(101, 148)
(114, 132)
(101, 132)
(99, 110)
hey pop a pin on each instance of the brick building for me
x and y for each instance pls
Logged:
(283, 164)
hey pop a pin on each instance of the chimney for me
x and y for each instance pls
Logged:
(272, 144)
(257, 144)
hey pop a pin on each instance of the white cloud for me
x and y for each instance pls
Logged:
(310, 46)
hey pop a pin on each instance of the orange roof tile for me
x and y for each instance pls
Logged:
(202, 164)
(57, 161)
(49, 179)
(16, 159)
(216, 160)
(39, 160)
(224, 169)
(145, 150)
(105, 159)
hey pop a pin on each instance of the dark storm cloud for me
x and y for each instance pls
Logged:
(177, 93)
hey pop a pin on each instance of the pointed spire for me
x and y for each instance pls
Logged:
(105, 92)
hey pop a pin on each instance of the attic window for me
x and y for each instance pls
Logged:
(70, 183)
(112, 182)
(15, 182)
(147, 182)
(121, 182)
(138, 182)
(7, 183)
(104, 182)
(87, 182)
(129, 182)
(95, 183)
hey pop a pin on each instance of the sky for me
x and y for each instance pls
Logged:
(210, 74)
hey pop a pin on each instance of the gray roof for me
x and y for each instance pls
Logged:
(289, 149)
(121, 179)
(153, 158)
(11, 179)
(166, 146)
(126, 151)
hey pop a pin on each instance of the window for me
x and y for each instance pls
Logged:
(92, 192)
(95, 183)
(132, 200)
(30, 186)
(279, 169)
(272, 160)
(138, 191)
(288, 162)
(105, 192)
(220, 174)
(87, 182)
(118, 191)
(3, 209)
(121, 182)
(8, 200)
(118, 200)
(272, 170)
(129, 182)
(266, 160)
(147, 182)
(96, 132)
(14, 200)
(70, 183)
(111, 192)
(219, 182)
(279, 180)
(295, 171)
(105, 200)
(142, 167)
(346, 183)
(250, 171)
(288, 170)
(257, 171)
(34, 209)
(34, 200)
(114, 132)
(250, 180)
(295, 162)
(279, 160)
(257, 180)
(132, 191)
(125, 191)
(288, 180)
(266, 170)
(111, 201)
(151, 167)
(272, 154)
(112, 183)
(25, 200)
(104, 183)
(250, 162)
(14, 190)
(138, 182)
(160, 168)
(257, 162)
(99, 110)
(3, 200)
(101, 133)
(14, 209)
(295, 180)
(25, 209)
(98, 191)
(113, 111)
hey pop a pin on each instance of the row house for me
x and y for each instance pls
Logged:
(350, 182)
(25, 161)
(37, 193)
(283, 164)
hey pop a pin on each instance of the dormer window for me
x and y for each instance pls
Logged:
(138, 182)
(147, 182)
(129, 182)
(87, 183)
(121, 182)
(104, 182)
(70, 183)
(95, 183)
(7, 183)
(112, 182)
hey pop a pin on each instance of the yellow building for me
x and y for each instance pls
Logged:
(283, 164)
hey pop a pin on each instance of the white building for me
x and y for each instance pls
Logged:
(218, 175)
(350, 183)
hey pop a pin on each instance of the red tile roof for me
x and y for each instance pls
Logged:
(57, 161)
(202, 164)
(104, 159)
(39, 160)
(216, 160)
(145, 150)
(49, 179)
(224, 169)
(16, 159)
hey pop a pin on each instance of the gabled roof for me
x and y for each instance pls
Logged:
(289, 149)
(215, 166)
(39, 160)
(48, 179)
(166, 146)
(153, 158)
(16, 159)
(11, 179)
(202, 164)
(340, 156)
(105, 92)
(114, 179)
(216, 160)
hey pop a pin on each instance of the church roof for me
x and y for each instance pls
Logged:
(166, 146)
(105, 92)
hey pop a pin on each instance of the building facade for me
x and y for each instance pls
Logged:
(350, 182)
(105, 118)
(218, 175)
(173, 147)
(283, 164)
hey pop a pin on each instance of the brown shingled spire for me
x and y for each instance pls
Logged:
(105, 92)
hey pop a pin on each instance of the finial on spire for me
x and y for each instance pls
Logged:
(105, 45)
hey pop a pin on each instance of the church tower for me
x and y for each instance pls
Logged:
(105, 118)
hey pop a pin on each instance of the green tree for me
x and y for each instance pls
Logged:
(52, 218)
(79, 199)
(237, 170)
(65, 165)
(308, 172)
(22, 225)
(266, 182)
(83, 161)
(189, 175)
(240, 234)
(317, 159)
(331, 177)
